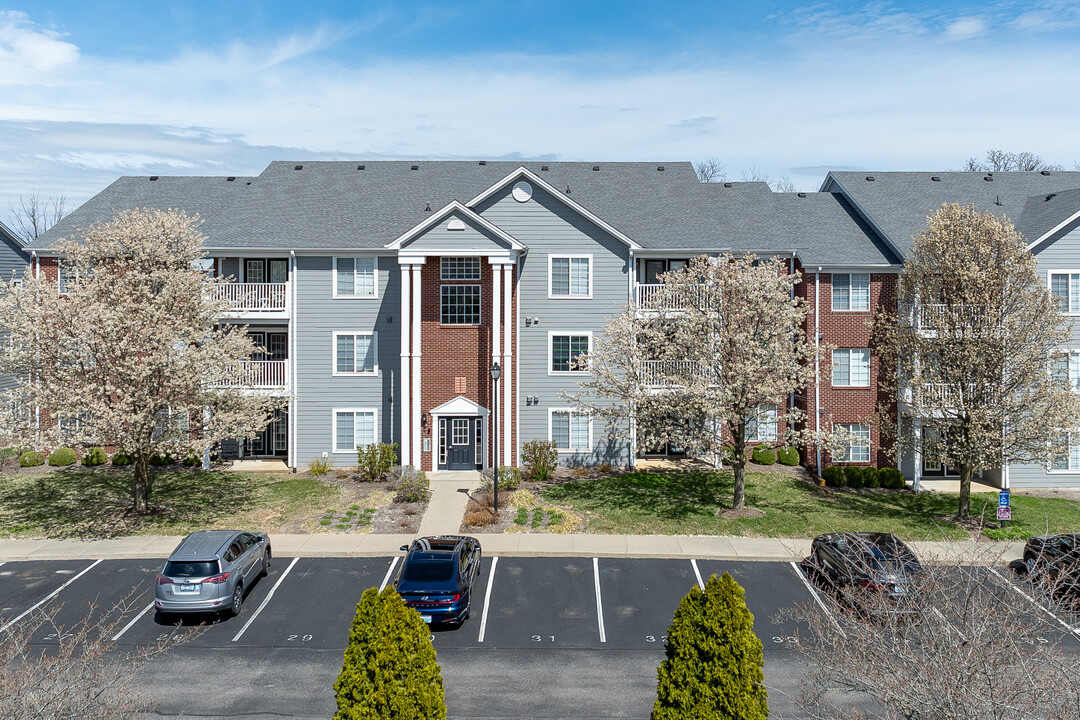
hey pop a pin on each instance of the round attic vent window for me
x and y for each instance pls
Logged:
(455, 224)
(522, 191)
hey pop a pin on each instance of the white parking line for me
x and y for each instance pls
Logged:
(797, 571)
(487, 598)
(697, 573)
(1036, 603)
(265, 601)
(3, 563)
(134, 620)
(389, 572)
(599, 606)
(49, 597)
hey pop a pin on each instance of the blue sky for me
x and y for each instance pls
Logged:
(93, 90)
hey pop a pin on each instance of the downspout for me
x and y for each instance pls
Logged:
(292, 360)
(817, 367)
(631, 278)
(37, 408)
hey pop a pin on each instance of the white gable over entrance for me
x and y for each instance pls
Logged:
(460, 405)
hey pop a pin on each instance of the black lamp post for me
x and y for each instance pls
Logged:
(496, 371)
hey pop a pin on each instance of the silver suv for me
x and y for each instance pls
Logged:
(211, 570)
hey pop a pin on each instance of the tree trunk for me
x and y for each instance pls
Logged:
(140, 484)
(964, 511)
(738, 467)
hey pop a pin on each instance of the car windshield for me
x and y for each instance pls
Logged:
(190, 569)
(430, 570)
(890, 558)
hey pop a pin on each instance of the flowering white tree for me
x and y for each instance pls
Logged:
(695, 365)
(975, 347)
(131, 353)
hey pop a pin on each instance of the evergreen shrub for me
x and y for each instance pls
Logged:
(891, 478)
(834, 476)
(62, 457)
(192, 459)
(763, 455)
(161, 460)
(121, 459)
(787, 455)
(854, 476)
(31, 458)
(713, 664)
(871, 477)
(95, 456)
(390, 668)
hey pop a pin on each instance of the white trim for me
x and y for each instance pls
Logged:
(572, 411)
(445, 211)
(1054, 230)
(508, 327)
(334, 272)
(403, 395)
(293, 404)
(849, 309)
(480, 303)
(570, 274)
(550, 353)
(832, 376)
(867, 217)
(533, 177)
(373, 334)
(417, 350)
(1049, 287)
(1050, 470)
(376, 437)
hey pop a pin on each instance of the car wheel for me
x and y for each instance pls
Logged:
(266, 563)
(1030, 568)
(237, 601)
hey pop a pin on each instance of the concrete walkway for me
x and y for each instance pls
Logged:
(449, 496)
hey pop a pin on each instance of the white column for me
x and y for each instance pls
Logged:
(507, 363)
(916, 475)
(403, 395)
(496, 352)
(417, 445)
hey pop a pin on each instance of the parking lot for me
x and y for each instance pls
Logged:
(548, 637)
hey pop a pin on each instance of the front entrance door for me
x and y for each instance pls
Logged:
(460, 443)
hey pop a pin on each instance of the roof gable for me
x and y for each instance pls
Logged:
(465, 217)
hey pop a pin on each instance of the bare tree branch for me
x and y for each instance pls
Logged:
(35, 214)
(711, 170)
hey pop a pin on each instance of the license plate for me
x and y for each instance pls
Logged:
(426, 618)
(187, 588)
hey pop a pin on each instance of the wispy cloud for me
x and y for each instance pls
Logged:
(28, 53)
(965, 28)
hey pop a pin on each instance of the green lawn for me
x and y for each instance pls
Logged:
(685, 503)
(94, 503)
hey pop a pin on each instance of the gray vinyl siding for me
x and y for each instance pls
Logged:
(1035, 475)
(439, 241)
(1062, 255)
(13, 262)
(317, 315)
(549, 227)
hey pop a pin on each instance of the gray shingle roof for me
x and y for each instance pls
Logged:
(899, 202)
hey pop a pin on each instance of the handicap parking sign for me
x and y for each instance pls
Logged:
(1003, 498)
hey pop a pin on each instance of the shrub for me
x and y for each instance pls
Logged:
(95, 456)
(509, 478)
(763, 455)
(192, 459)
(119, 459)
(891, 478)
(389, 669)
(605, 468)
(540, 459)
(713, 664)
(787, 455)
(161, 460)
(410, 485)
(834, 476)
(853, 475)
(9, 452)
(321, 466)
(479, 514)
(31, 458)
(374, 462)
(63, 457)
(871, 477)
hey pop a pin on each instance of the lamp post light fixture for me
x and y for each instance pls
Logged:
(496, 371)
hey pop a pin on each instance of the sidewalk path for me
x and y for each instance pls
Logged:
(449, 496)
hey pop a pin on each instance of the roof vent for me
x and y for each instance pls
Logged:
(544, 168)
(153, 178)
(1050, 197)
(935, 178)
(869, 178)
(361, 167)
(728, 185)
(427, 207)
(802, 194)
(595, 168)
(248, 182)
(483, 162)
(230, 178)
(415, 167)
(298, 167)
(989, 178)
(997, 200)
(660, 168)
(567, 189)
(1044, 172)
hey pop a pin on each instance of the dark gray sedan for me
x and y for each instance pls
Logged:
(211, 571)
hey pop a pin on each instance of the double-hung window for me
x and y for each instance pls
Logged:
(570, 276)
(1066, 369)
(355, 353)
(761, 425)
(851, 291)
(851, 367)
(565, 349)
(1066, 456)
(1065, 287)
(858, 443)
(353, 427)
(570, 430)
(355, 277)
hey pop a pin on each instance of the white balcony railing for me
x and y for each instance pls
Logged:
(935, 316)
(253, 297)
(669, 373)
(654, 297)
(946, 395)
(259, 375)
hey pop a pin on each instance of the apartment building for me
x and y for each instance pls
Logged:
(384, 292)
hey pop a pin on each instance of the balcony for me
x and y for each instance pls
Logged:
(658, 296)
(947, 395)
(261, 300)
(670, 373)
(933, 317)
(259, 375)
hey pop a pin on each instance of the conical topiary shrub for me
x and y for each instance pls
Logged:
(389, 669)
(713, 666)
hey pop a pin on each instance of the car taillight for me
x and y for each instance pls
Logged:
(217, 579)
(162, 580)
(871, 585)
(455, 597)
